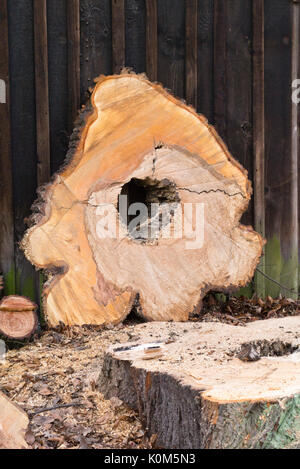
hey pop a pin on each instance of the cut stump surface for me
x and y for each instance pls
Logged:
(141, 142)
(194, 391)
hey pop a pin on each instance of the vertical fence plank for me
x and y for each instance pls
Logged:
(135, 35)
(191, 52)
(220, 50)
(205, 92)
(281, 209)
(118, 35)
(295, 145)
(259, 132)
(73, 13)
(171, 45)
(298, 95)
(58, 81)
(96, 42)
(239, 135)
(6, 195)
(23, 131)
(151, 39)
(233, 86)
(41, 91)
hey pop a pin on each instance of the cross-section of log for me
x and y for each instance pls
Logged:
(211, 385)
(147, 208)
(18, 318)
(13, 425)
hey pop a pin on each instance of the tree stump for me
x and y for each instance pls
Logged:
(138, 145)
(211, 385)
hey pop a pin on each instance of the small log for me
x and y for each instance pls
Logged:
(13, 425)
(211, 385)
(18, 318)
(139, 142)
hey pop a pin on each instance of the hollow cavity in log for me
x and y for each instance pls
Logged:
(154, 201)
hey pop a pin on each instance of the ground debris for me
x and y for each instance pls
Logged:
(241, 310)
(55, 381)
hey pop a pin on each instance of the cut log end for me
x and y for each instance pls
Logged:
(18, 318)
(143, 146)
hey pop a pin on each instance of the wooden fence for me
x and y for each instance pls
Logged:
(234, 60)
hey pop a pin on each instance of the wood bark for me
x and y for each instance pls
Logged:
(18, 319)
(137, 140)
(13, 425)
(201, 389)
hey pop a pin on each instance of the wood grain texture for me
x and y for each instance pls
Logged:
(191, 37)
(17, 326)
(6, 190)
(259, 131)
(73, 13)
(41, 91)
(151, 39)
(14, 424)
(93, 281)
(118, 34)
(198, 395)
